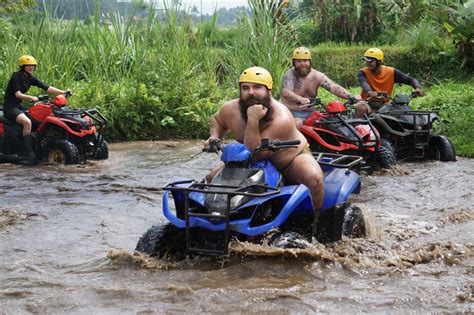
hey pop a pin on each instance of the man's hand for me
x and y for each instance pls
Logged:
(372, 94)
(34, 99)
(420, 91)
(304, 101)
(256, 112)
(206, 145)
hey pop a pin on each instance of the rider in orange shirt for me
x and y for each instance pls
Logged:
(376, 77)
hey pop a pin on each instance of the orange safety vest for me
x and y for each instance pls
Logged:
(382, 82)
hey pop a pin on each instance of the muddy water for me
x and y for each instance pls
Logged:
(67, 236)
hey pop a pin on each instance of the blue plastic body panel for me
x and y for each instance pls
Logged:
(339, 184)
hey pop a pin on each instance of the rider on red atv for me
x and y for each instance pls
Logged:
(301, 83)
(18, 85)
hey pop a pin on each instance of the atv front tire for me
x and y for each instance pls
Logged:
(348, 221)
(102, 152)
(163, 241)
(62, 152)
(353, 225)
(386, 155)
(288, 239)
(442, 149)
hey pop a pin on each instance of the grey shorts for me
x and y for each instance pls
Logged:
(12, 114)
(301, 115)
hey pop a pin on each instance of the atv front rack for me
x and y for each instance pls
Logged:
(230, 191)
(98, 121)
(338, 160)
(420, 134)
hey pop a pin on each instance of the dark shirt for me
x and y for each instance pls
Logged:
(19, 81)
(400, 77)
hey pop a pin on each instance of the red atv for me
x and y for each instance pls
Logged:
(60, 135)
(334, 130)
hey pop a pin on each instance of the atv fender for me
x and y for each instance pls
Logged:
(55, 121)
(339, 184)
(309, 133)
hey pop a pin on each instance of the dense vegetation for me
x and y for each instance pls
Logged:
(161, 75)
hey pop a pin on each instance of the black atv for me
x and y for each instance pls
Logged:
(413, 133)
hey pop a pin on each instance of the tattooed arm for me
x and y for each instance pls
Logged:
(334, 88)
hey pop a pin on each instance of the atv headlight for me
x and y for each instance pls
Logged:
(268, 211)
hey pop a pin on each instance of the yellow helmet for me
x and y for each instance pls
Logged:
(27, 60)
(374, 53)
(257, 75)
(302, 53)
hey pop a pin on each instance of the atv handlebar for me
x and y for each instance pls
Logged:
(385, 96)
(46, 97)
(267, 144)
(415, 94)
(216, 145)
(313, 101)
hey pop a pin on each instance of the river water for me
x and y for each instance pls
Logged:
(67, 236)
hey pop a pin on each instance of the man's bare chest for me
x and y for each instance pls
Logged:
(306, 87)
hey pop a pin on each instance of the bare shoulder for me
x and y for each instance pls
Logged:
(229, 107)
(282, 114)
(319, 76)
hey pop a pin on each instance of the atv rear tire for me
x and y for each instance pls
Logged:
(348, 221)
(102, 152)
(442, 149)
(163, 241)
(386, 155)
(62, 152)
(288, 239)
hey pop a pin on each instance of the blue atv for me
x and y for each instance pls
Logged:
(249, 201)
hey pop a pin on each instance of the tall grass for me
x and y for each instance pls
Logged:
(160, 76)
(149, 76)
(265, 39)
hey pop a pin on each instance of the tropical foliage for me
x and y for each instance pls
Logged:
(158, 74)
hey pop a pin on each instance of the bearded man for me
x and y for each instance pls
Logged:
(302, 82)
(257, 115)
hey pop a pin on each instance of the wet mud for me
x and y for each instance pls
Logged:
(67, 239)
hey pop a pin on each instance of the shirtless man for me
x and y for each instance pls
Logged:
(257, 115)
(302, 82)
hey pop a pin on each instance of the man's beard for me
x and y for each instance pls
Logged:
(302, 72)
(265, 102)
(377, 67)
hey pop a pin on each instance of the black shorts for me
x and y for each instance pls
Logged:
(12, 114)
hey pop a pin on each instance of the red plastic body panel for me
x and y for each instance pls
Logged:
(335, 107)
(40, 111)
